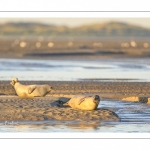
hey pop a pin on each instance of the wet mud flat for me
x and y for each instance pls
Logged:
(43, 115)
(13, 108)
(111, 108)
(108, 89)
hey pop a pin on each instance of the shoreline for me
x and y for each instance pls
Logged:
(77, 58)
(46, 108)
(14, 108)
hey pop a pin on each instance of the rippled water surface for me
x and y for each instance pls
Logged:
(135, 117)
(65, 70)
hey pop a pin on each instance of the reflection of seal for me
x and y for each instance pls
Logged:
(83, 102)
(30, 90)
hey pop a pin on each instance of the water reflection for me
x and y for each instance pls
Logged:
(68, 127)
(50, 126)
(135, 117)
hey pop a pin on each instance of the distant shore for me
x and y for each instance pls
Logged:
(74, 49)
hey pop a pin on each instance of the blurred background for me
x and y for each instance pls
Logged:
(81, 48)
(76, 37)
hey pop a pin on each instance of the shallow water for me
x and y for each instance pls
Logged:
(135, 118)
(65, 70)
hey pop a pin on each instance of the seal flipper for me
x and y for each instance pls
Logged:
(81, 100)
(31, 89)
(66, 104)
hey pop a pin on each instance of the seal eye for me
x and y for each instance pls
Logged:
(96, 97)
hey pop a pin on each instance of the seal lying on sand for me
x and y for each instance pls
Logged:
(83, 102)
(30, 90)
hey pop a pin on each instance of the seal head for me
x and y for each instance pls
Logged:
(96, 99)
(14, 81)
(84, 102)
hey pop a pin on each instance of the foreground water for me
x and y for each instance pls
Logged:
(135, 117)
(65, 70)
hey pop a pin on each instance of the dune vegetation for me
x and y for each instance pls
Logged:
(101, 29)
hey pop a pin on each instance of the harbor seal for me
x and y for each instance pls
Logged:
(30, 90)
(83, 102)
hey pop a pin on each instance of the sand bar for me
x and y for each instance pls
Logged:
(45, 108)
(117, 90)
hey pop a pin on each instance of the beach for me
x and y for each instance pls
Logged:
(14, 108)
(122, 80)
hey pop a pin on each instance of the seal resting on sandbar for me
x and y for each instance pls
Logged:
(83, 102)
(30, 90)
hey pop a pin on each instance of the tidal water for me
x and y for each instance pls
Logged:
(135, 117)
(67, 70)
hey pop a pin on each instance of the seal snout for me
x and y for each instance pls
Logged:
(50, 88)
(96, 99)
(14, 80)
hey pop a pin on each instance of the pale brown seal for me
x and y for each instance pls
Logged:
(83, 102)
(30, 90)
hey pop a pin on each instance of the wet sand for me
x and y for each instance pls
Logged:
(109, 89)
(24, 109)
(14, 108)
